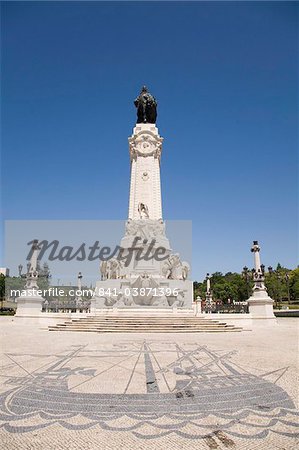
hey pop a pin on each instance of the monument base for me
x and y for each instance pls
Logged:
(29, 304)
(160, 293)
(261, 305)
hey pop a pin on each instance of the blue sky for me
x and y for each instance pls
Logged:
(225, 76)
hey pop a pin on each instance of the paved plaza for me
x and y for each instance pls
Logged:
(148, 391)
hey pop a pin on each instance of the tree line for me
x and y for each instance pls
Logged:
(282, 285)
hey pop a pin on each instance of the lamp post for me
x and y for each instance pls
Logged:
(79, 301)
(279, 280)
(247, 276)
(20, 268)
(271, 273)
(46, 304)
(287, 278)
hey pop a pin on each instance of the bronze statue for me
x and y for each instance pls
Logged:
(146, 106)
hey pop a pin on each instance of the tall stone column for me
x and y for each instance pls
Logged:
(145, 147)
(145, 205)
(209, 299)
(260, 304)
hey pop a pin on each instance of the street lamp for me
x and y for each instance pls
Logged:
(287, 278)
(271, 271)
(20, 268)
(46, 304)
(277, 288)
(247, 276)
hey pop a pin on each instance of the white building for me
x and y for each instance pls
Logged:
(4, 271)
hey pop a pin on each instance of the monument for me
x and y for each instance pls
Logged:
(78, 299)
(30, 301)
(260, 304)
(209, 297)
(159, 279)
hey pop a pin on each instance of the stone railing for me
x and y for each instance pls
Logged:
(231, 308)
(72, 306)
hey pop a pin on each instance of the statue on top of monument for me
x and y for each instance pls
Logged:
(146, 106)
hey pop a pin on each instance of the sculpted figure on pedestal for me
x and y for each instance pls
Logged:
(113, 269)
(166, 268)
(185, 270)
(146, 106)
(131, 228)
(174, 269)
(170, 266)
(103, 270)
(143, 211)
(158, 228)
(179, 299)
(148, 229)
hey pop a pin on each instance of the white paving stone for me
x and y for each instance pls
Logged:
(101, 385)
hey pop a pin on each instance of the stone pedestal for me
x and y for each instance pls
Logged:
(29, 304)
(198, 306)
(131, 293)
(30, 301)
(261, 305)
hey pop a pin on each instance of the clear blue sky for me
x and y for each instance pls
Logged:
(225, 76)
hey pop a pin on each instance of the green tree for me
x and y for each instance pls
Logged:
(294, 285)
(277, 284)
(234, 285)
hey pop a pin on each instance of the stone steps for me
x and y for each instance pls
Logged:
(143, 324)
(137, 320)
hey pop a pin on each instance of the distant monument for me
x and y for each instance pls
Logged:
(30, 302)
(260, 304)
(145, 283)
(209, 297)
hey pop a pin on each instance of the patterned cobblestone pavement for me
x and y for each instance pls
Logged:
(200, 391)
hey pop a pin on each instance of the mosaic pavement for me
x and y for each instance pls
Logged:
(109, 392)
